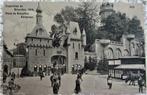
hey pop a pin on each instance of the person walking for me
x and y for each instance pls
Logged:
(109, 81)
(59, 79)
(55, 87)
(78, 87)
(140, 84)
(41, 75)
(51, 79)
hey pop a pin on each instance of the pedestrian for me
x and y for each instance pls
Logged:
(51, 79)
(55, 87)
(140, 84)
(109, 81)
(59, 79)
(79, 75)
(41, 75)
(4, 77)
(11, 86)
(78, 87)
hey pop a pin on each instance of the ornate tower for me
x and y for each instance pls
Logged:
(106, 9)
(38, 43)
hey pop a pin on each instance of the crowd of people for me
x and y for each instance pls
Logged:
(55, 79)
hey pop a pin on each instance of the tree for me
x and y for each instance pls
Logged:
(85, 14)
(118, 24)
(135, 28)
(58, 18)
(114, 26)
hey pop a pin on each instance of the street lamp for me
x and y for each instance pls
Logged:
(130, 37)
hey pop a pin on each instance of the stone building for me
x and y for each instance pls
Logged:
(114, 49)
(64, 48)
(7, 60)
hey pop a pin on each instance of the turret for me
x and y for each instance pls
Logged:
(106, 9)
(83, 36)
(38, 15)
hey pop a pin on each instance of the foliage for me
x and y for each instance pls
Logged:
(90, 66)
(118, 24)
(103, 66)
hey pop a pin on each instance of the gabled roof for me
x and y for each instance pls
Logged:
(72, 27)
(43, 35)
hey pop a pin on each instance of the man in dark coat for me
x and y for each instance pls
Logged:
(140, 84)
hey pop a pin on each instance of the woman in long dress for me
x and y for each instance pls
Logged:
(77, 88)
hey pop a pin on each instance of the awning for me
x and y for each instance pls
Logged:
(131, 66)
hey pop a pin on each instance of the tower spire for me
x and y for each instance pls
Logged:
(39, 14)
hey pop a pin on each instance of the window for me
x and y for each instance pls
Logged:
(40, 40)
(36, 32)
(73, 45)
(75, 31)
(36, 52)
(76, 55)
(79, 45)
(32, 40)
(44, 52)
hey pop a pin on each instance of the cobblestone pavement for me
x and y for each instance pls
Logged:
(91, 85)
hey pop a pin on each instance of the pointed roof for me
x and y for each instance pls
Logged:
(44, 33)
(38, 8)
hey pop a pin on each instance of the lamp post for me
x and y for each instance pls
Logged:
(130, 37)
(104, 43)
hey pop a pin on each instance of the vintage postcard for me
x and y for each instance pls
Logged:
(73, 48)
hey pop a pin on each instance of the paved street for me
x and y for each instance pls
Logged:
(91, 85)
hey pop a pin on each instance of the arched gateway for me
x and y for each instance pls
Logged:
(59, 62)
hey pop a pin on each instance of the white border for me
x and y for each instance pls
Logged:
(113, 1)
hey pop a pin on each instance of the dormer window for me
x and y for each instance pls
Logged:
(36, 32)
(40, 31)
(75, 31)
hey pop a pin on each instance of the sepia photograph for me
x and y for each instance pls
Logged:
(73, 48)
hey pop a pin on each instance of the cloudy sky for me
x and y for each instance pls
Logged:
(16, 28)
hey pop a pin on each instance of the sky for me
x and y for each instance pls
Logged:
(16, 28)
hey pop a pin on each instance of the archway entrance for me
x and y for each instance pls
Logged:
(59, 64)
(5, 69)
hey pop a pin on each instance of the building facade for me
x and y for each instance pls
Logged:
(7, 60)
(63, 48)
